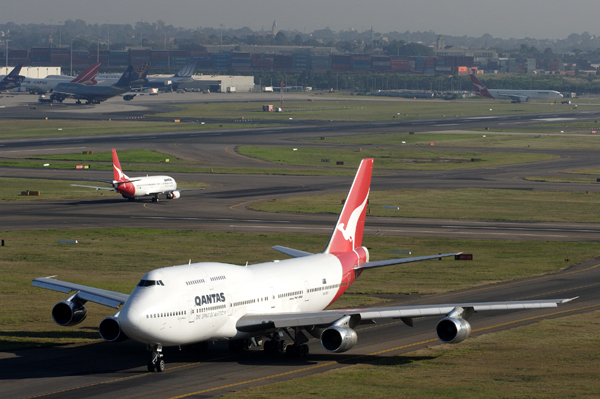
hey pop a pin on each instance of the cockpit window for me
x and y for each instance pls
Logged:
(148, 283)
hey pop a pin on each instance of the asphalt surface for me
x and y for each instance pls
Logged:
(109, 370)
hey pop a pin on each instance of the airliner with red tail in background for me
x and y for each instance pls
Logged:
(134, 187)
(266, 303)
(47, 84)
(517, 96)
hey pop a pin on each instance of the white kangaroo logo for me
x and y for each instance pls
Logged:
(350, 231)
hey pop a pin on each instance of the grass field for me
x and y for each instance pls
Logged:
(360, 110)
(392, 159)
(19, 128)
(140, 160)
(550, 359)
(523, 139)
(25, 315)
(471, 203)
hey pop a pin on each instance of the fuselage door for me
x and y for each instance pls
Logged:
(191, 315)
(272, 297)
(306, 292)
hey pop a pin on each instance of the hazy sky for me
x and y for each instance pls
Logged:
(501, 18)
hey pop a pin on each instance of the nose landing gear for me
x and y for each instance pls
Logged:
(156, 362)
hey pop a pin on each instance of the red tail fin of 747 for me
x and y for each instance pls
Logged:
(118, 172)
(480, 89)
(348, 232)
(88, 77)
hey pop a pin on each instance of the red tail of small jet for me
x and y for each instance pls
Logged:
(480, 89)
(348, 231)
(88, 77)
(118, 172)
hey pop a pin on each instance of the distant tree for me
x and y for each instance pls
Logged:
(298, 40)
(281, 39)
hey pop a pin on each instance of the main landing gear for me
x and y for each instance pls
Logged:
(277, 343)
(155, 198)
(156, 362)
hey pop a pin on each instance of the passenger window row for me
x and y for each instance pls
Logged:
(194, 282)
(167, 314)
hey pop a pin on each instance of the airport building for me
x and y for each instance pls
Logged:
(220, 83)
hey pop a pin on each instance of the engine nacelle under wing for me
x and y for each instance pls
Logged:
(453, 330)
(174, 195)
(338, 339)
(69, 313)
(110, 330)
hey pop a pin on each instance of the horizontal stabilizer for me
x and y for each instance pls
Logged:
(94, 187)
(390, 262)
(294, 253)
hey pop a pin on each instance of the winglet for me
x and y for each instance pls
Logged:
(348, 232)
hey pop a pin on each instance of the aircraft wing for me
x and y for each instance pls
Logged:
(259, 322)
(190, 189)
(95, 187)
(294, 253)
(512, 97)
(103, 297)
(388, 262)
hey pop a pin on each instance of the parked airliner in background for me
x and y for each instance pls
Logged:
(172, 82)
(262, 304)
(48, 83)
(13, 79)
(134, 187)
(92, 94)
(517, 96)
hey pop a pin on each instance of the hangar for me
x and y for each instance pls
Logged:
(220, 83)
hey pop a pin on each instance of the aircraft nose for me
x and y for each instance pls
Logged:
(131, 319)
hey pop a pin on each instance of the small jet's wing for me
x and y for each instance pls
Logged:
(95, 187)
(103, 297)
(260, 322)
(294, 253)
(388, 262)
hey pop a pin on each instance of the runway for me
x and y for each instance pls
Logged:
(109, 370)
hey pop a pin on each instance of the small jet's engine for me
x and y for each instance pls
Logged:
(174, 195)
(128, 97)
(110, 330)
(69, 312)
(338, 339)
(453, 330)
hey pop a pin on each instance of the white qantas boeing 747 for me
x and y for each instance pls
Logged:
(265, 303)
(134, 187)
(517, 96)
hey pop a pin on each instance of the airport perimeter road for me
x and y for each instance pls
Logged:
(106, 370)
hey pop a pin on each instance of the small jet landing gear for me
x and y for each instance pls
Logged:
(156, 362)
(155, 199)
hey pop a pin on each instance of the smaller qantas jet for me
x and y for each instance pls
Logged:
(517, 96)
(134, 187)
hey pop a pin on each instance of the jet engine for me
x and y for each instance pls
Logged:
(128, 97)
(453, 330)
(69, 313)
(338, 339)
(174, 195)
(110, 330)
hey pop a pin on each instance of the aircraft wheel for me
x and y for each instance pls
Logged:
(160, 366)
(281, 346)
(151, 366)
(304, 351)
